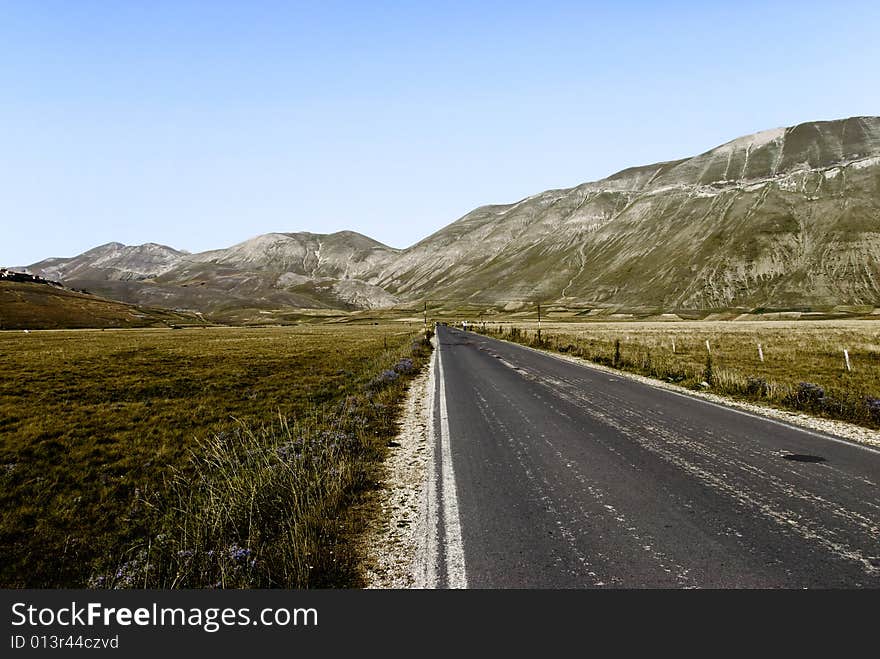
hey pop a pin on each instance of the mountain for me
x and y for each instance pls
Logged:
(266, 273)
(113, 261)
(785, 217)
(342, 255)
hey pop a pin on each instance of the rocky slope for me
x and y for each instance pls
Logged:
(780, 218)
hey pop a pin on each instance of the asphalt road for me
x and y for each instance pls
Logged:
(548, 474)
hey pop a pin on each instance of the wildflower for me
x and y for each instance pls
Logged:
(404, 365)
(387, 377)
(238, 554)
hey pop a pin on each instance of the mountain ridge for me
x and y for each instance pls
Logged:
(690, 209)
(779, 217)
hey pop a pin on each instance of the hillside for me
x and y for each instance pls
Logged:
(33, 306)
(784, 217)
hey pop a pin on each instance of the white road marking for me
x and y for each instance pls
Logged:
(456, 577)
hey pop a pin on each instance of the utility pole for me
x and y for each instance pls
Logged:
(426, 318)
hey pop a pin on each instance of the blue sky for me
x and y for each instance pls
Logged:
(201, 124)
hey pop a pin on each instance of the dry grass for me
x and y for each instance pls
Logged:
(112, 446)
(30, 306)
(803, 368)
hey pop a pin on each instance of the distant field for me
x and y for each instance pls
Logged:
(97, 429)
(804, 366)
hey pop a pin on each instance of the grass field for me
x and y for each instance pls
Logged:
(195, 457)
(803, 367)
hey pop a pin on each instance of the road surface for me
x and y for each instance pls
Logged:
(548, 474)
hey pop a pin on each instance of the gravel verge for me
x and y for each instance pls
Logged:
(396, 545)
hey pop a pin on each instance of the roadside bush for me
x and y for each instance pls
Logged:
(808, 396)
(756, 387)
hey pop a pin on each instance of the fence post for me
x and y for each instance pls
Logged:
(539, 323)
(760, 353)
(846, 357)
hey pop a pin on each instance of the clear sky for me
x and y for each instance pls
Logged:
(201, 124)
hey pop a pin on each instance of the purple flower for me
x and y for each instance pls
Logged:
(405, 365)
(238, 554)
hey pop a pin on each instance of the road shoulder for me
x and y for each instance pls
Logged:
(395, 546)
